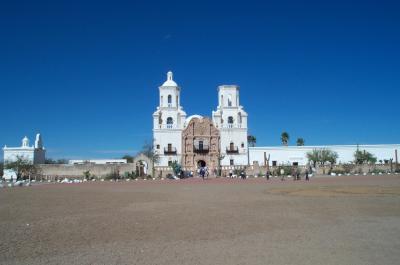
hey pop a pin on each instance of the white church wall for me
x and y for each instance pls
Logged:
(291, 154)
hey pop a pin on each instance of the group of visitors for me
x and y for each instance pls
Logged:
(295, 174)
(242, 174)
(203, 172)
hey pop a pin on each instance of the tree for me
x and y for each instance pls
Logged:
(251, 140)
(313, 156)
(327, 155)
(176, 167)
(22, 167)
(285, 138)
(300, 142)
(128, 158)
(322, 156)
(364, 157)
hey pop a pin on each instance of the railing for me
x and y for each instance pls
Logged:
(169, 151)
(167, 126)
(232, 150)
(201, 148)
(231, 125)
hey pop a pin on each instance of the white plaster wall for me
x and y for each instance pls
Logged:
(237, 136)
(165, 137)
(12, 155)
(292, 154)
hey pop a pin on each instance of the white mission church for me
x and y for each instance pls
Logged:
(196, 141)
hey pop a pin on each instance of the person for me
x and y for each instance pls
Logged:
(202, 173)
(243, 175)
(267, 175)
(230, 173)
(298, 174)
(307, 178)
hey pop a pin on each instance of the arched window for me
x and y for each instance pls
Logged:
(230, 122)
(169, 100)
(229, 101)
(170, 122)
(222, 100)
(240, 118)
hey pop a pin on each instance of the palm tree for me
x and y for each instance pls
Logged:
(251, 141)
(300, 142)
(285, 138)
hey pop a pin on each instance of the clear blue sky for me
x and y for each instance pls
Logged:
(86, 74)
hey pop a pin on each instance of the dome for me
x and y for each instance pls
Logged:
(188, 119)
(25, 142)
(170, 81)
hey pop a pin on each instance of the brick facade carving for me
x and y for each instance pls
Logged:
(200, 142)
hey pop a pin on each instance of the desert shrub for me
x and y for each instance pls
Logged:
(377, 171)
(130, 175)
(338, 171)
(348, 168)
(113, 175)
(287, 170)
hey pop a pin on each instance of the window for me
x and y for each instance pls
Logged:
(170, 122)
(231, 162)
(242, 145)
(230, 122)
(169, 101)
(158, 146)
(201, 145)
(169, 147)
(274, 163)
(295, 164)
(169, 163)
(231, 146)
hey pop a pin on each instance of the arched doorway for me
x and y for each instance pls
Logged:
(201, 163)
(141, 168)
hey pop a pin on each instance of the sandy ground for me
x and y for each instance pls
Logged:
(329, 220)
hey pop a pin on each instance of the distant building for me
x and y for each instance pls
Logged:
(35, 154)
(97, 161)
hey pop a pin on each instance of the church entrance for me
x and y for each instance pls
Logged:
(201, 163)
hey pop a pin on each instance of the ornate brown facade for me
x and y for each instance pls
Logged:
(200, 145)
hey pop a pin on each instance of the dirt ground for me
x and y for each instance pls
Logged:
(329, 220)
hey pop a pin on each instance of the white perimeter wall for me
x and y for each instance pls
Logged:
(290, 154)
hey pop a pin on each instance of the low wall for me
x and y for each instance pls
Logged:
(76, 171)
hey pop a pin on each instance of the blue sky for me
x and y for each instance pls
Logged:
(86, 74)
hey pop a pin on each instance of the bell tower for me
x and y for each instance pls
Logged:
(168, 122)
(231, 119)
